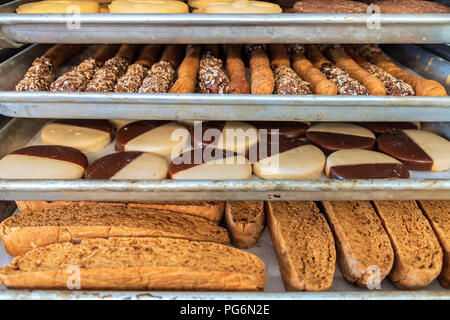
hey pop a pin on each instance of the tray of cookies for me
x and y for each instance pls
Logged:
(151, 160)
(255, 82)
(241, 21)
(335, 266)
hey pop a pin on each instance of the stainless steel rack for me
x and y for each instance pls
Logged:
(220, 28)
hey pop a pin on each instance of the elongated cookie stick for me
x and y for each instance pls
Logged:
(162, 74)
(211, 76)
(278, 56)
(105, 79)
(374, 85)
(77, 79)
(236, 70)
(394, 86)
(131, 81)
(262, 80)
(344, 83)
(187, 72)
(40, 75)
(318, 83)
(422, 87)
(286, 80)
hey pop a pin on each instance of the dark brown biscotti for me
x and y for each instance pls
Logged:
(438, 213)
(23, 232)
(210, 210)
(136, 264)
(417, 253)
(303, 243)
(364, 250)
(245, 221)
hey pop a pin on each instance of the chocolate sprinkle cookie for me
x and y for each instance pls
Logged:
(38, 77)
(287, 82)
(159, 79)
(105, 79)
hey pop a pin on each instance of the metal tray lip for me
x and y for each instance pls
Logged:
(244, 99)
(192, 186)
(183, 295)
(224, 19)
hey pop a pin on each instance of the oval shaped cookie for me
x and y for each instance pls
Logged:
(294, 159)
(165, 138)
(332, 137)
(210, 164)
(82, 134)
(128, 165)
(364, 164)
(417, 149)
(232, 136)
(43, 162)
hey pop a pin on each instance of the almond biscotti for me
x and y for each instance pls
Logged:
(303, 243)
(438, 213)
(365, 253)
(417, 253)
(245, 222)
(211, 210)
(136, 264)
(23, 232)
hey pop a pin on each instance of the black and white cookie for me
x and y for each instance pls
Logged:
(331, 137)
(165, 138)
(128, 165)
(417, 149)
(210, 164)
(364, 164)
(232, 136)
(82, 134)
(288, 158)
(43, 162)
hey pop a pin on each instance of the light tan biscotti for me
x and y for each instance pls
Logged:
(24, 232)
(303, 243)
(438, 213)
(136, 264)
(211, 210)
(364, 250)
(245, 222)
(417, 253)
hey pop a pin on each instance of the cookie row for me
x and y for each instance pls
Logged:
(229, 150)
(275, 69)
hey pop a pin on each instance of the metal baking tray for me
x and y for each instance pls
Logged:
(274, 289)
(209, 107)
(220, 28)
(22, 132)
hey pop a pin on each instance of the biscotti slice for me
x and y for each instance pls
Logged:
(438, 213)
(23, 232)
(364, 251)
(245, 222)
(417, 253)
(211, 210)
(303, 243)
(136, 264)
